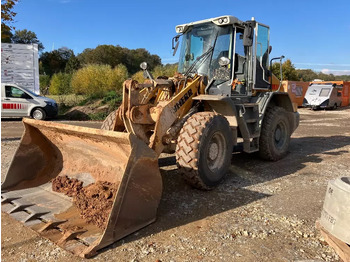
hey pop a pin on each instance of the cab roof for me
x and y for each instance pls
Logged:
(220, 20)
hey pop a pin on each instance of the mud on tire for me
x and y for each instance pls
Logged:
(275, 134)
(203, 150)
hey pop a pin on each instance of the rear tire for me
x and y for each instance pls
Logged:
(39, 114)
(203, 150)
(275, 134)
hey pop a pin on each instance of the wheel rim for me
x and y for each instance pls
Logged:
(216, 151)
(280, 135)
(37, 114)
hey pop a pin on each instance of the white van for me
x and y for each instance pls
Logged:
(322, 95)
(19, 102)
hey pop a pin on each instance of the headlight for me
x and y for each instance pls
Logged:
(50, 104)
(179, 29)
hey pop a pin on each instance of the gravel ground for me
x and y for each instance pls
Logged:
(264, 211)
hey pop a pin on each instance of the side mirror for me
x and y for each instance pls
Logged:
(175, 44)
(248, 36)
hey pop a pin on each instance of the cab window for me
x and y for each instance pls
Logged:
(11, 91)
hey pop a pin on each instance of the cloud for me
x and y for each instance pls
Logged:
(335, 72)
(320, 64)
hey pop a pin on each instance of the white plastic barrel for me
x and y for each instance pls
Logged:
(335, 216)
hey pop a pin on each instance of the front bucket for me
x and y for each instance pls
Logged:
(80, 187)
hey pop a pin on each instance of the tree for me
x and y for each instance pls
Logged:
(114, 55)
(26, 37)
(168, 70)
(288, 71)
(61, 84)
(55, 61)
(103, 55)
(7, 17)
(326, 77)
(98, 80)
(72, 65)
(136, 56)
(306, 74)
(44, 81)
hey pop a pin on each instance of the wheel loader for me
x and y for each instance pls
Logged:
(60, 179)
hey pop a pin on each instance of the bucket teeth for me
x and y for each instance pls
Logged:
(70, 235)
(5, 200)
(34, 216)
(51, 225)
(19, 208)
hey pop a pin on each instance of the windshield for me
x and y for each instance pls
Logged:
(206, 42)
(30, 92)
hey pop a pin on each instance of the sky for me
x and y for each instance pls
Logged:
(313, 34)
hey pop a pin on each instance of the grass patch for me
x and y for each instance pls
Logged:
(98, 116)
(110, 102)
(67, 100)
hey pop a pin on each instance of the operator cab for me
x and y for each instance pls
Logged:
(233, 54)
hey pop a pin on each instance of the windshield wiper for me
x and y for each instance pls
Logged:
(204, 55)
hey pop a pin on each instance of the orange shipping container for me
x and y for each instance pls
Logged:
(296, 90)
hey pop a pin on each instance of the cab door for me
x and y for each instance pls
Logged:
(15, 102)
(262, 36)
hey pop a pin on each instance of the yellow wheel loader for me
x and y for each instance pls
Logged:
(86, 188)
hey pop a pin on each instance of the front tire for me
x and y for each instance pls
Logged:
(203, 150)
(113, 121)
(275, 134)
(39, 114)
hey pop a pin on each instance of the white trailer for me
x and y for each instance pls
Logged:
(20, 65)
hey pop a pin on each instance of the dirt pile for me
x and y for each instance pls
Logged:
(66, 185)
(94, 201)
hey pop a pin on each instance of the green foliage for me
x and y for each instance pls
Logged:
(288, 71)
(7, 17)
(60, 84)
(113, 99)
(98, 116)
(72, 65)
(6, 34)
(44, 81)
(26, 37)
(97, 80)
(326, 77)
(306, 74)
(138, 76)
(55, 61)
(114, 55)
(120, 74)
(343, 78)
(309, 75)
(168, 70)
(68, 100)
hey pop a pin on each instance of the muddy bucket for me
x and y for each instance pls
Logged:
(82, 188)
